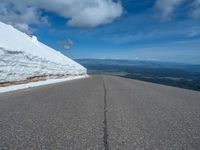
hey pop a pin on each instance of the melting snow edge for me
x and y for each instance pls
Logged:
(39, 83)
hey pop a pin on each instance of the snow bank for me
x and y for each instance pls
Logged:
(22, 56)
(39, 83)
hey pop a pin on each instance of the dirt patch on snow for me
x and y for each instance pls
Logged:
(35, 79)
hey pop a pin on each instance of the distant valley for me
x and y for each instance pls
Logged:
(167, 73)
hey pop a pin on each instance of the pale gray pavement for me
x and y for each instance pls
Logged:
(100, 112)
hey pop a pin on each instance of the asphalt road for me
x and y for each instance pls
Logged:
(100, 112)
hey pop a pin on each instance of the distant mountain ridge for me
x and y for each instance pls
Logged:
(144, 63)
(168, 73)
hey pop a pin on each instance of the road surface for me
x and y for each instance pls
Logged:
(100, 112)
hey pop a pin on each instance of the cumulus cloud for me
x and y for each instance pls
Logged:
(19, 18)
(166, 7)
(68, 44)
(96, 13)
(22, 27)
(78, 13)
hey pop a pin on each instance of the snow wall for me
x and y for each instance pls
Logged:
(23, 57)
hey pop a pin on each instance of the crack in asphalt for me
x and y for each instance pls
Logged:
(105, 137)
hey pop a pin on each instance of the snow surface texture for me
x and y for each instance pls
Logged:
(22, 57)
(39, 83)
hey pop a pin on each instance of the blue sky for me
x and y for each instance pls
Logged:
(162, 30)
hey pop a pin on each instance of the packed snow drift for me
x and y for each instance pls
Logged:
(23, 56)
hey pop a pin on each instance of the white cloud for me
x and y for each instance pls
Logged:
(97, 13)
(19, 17)
(67, 44)
(79, 13)
(166, 7)
(23, 27)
